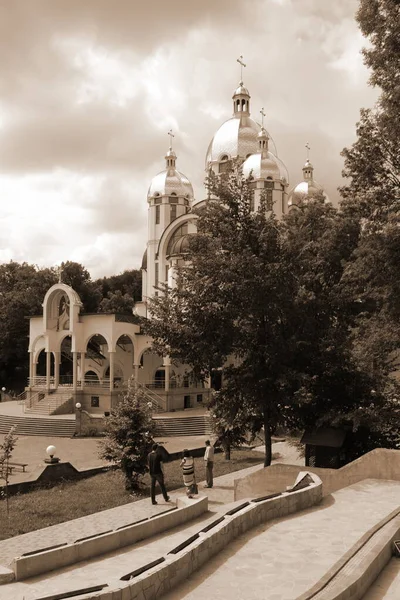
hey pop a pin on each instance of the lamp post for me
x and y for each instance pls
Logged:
(78, 407)
(3, 389)
(50, 451)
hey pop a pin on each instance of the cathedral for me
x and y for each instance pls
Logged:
(81, 362)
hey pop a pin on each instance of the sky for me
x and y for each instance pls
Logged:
(90, 88)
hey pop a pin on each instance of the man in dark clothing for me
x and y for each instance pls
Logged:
(156, 474)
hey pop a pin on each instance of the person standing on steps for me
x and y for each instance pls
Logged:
(209, 464)
(156, 474)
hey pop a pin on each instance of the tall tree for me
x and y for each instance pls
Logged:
(22, 289)
(76, 276)
(373, 162)
(265, 299)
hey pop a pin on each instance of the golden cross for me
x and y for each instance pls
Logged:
(308, 150)
(171, 135)
(262, 116)
(241, 63)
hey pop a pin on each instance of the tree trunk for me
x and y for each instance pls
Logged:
(267, 439)
(227, 451)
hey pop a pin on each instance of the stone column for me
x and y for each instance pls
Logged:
(136, 372)
(48, 367)
(82, 369)
(31, 369)
(57, 356)
(74, 370)
(111, 358)
(167, 369)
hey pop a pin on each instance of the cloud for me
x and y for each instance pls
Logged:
(88, 91)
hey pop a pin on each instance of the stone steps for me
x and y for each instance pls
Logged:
(38, 426)
(181, 426)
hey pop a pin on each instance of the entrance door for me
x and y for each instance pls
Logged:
(186, 401)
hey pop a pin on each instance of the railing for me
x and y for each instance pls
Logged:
(157, 401)
(66, 381)
(173, 384)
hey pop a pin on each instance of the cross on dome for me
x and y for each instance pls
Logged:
(308, 150)
(171, 135)
(262, 117)
(241, 63)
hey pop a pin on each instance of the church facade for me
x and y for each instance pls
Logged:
(82, 361)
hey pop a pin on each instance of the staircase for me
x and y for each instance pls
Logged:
(180, 426)
(51, 404)
(152, 396)
(38, 426)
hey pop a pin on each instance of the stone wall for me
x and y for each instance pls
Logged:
(377, 464)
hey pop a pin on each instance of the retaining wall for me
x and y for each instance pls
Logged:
(83, 549)
(377, 464)
(160, 576)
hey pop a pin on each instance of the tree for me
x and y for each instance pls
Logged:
(22, 289)
(127, 283)
(266, 300)
(115, 302)
(129, 435)
(6, 450)
(232, 303)
(230, 421)
(76, 276)
(373, 162)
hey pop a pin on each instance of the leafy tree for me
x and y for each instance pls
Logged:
(129, 435)
(6, 450)
(233, 302)
(76, 276)
(22, 289)
(127, 283)
(373, 162)
(266, 300)
(230, 421)
(117, 303)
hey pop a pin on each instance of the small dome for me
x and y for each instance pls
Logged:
(303, 191)
(237, 137)
(241, 90)
(181, 245)
(170, 182)
(308, 188)
(264, 166)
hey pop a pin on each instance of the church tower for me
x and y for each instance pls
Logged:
(170, 196)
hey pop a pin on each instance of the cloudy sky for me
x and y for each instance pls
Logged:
(90, 88)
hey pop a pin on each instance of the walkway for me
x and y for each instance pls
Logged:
(387, 585)
(288, 556)
(113, 565)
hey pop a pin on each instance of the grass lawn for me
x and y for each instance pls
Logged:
(73, 499)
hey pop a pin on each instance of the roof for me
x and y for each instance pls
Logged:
(330, 437)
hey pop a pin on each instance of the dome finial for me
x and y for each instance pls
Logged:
(308, 168)
(170, 156)
(262, 117)
(171, 136)
(241, 63)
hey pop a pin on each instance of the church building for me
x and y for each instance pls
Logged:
(83, 361)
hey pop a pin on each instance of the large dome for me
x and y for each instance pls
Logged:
(265, 166)
(170, 182)
(237, 137)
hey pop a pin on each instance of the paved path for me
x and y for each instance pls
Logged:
(288, 556)
(221, 494)
(387, 585)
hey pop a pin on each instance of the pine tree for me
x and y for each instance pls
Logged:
(129, 435)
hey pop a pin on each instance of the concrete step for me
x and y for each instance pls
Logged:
(180, 426)
(38, 426)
